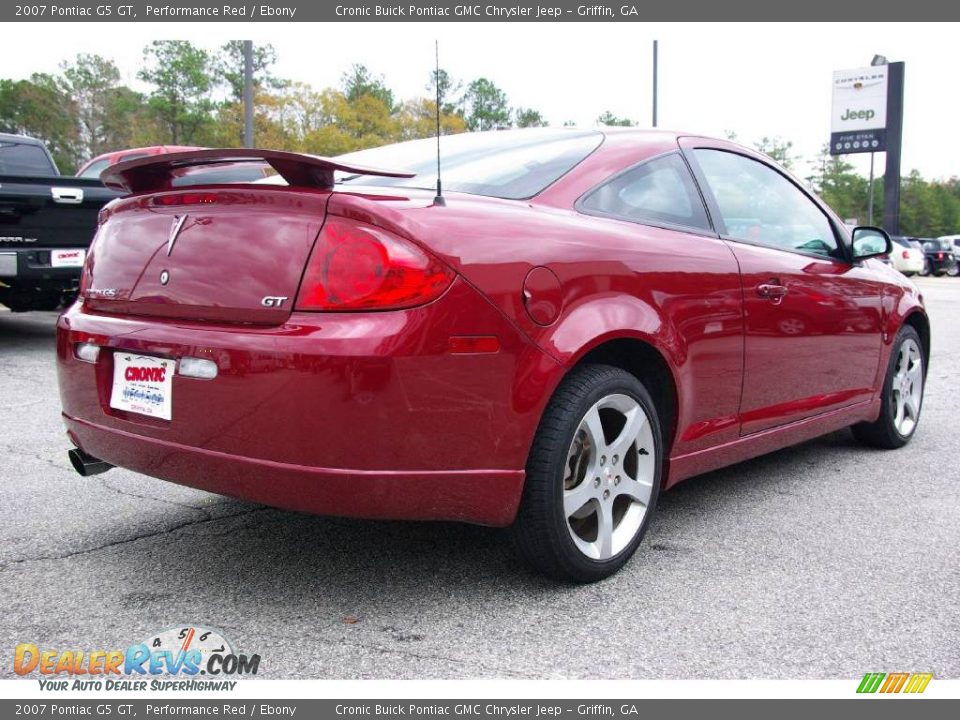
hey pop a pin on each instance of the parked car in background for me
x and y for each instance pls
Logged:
(940, 257)
(46, 223)
(906, 257)
(954, 240)
(583, 319)
(93, 167)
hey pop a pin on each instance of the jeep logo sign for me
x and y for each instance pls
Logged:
(852, 114)
(859, 99)
(859, 117)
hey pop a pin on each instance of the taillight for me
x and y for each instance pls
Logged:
(905, 255)
(939, 256)
(86, 273)
(355, 266)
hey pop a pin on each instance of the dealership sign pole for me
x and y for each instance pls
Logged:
(868, 117)
(891, 176)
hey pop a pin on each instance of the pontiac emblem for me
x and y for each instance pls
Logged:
(178, 222)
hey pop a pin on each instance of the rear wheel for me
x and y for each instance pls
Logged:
(593, 476)
(953, 270)
(926, 268)
(902, 395)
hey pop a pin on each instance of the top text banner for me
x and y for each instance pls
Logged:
(443, 11)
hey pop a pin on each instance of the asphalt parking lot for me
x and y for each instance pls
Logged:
(821, 561)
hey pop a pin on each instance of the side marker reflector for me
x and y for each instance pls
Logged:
(471, 344)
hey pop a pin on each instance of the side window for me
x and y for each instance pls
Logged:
(658, 191)
(760, 205)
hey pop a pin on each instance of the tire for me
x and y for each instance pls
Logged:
(902, 398)
(926, 268)
(610, 488)
(953, 270)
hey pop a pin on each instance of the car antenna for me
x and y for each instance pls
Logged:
(439, 199)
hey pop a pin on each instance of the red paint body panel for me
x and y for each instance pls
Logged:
(370, 414)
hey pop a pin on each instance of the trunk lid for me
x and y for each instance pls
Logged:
(213, 255)
(216, 253)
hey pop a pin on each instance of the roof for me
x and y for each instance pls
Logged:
(21, 139)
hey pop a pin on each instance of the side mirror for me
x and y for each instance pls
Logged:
(870, 242)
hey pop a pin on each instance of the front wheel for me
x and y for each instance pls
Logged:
(902, 395)
(593, 476)
(926, 268)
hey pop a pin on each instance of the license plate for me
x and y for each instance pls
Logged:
(143, 384)
(67, 258)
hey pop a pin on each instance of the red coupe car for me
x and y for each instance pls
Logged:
(582, 319)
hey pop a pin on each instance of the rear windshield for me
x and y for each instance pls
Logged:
(512, 164)
(22, 159)
(95, 168)
(235, 173)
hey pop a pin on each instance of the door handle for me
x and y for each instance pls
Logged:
(67, 195)
(772, 291)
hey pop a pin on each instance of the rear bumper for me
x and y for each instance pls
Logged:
(32, 267)
(486, 497)
(909, 265)
(354, 414)
(941, 265)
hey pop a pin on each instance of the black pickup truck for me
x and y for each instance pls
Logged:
(47, 221)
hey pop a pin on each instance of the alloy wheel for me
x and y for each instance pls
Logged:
(907, 387)
(608, 477)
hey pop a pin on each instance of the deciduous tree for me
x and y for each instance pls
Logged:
(486, 106)
(181, 75)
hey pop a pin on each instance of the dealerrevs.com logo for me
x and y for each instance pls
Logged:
(179, 658)
(892, 683)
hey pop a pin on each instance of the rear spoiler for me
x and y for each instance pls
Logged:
(156, 172)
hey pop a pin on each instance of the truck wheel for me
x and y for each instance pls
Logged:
(593, 476)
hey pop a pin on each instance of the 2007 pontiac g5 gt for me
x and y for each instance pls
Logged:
(582, 319)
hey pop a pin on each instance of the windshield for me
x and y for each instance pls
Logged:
(511, 164)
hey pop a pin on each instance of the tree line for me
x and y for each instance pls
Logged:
(194, 96)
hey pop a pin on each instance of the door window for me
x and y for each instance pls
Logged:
(759, 205)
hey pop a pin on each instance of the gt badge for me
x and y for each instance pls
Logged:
(274, 300)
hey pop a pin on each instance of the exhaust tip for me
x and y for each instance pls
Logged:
(87, 465)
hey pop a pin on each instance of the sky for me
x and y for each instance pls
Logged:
(754, 79)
